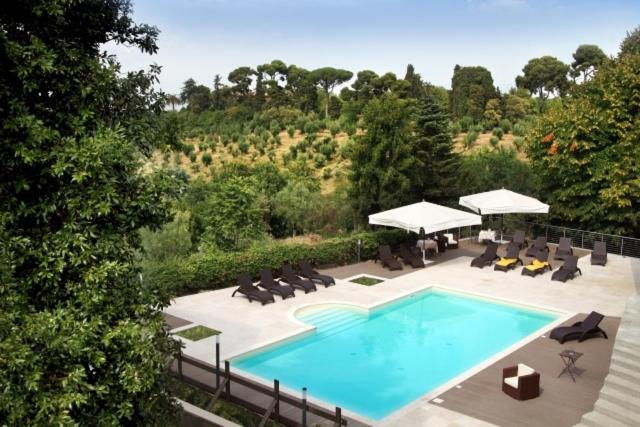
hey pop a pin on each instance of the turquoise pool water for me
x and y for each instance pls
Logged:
(373, 363)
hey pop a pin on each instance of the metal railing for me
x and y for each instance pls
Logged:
(218, 383)
(619, 245)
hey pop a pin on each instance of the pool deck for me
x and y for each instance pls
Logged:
(247, 326)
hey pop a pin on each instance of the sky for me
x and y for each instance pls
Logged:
(201, 38)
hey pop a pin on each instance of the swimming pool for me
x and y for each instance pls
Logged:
(375, 362)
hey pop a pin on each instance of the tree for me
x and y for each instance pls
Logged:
(328, 78)
(301, 88)
(437, 176)
(241, 78)
(544, 76)
(416, 88)
(188, 88)
(295, 203)
(219, 94)
(82, 340)
(173, 100)
(586, 60)
(518, 103)
(587, 153)
(631, 43)
(492, 113)
(232, 211)
(471, 88)
(383, 162)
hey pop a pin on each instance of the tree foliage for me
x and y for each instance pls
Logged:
(471, 88)
(586, 60)
(328, 78)
(383, 161)
(631, 43)
(437, 176)
(544, 76)
(587, 152)
(81, 339)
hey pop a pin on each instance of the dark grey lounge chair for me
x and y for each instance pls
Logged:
(267, 282)
(307, 271)
(564, 248)
(519, 238)
(538, 265)
(291, 278)
(539, 245)
(568, 270)
(599, 254)
(490, 254)
(247, 289)
(387, 259)
(410, 258)
(510, 260)
(580, 331)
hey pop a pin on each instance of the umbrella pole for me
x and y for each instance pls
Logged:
(501, 226)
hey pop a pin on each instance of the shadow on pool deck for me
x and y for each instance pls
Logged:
(561, 402)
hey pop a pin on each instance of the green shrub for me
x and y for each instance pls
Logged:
(193, 157)
(214, 269)
(521, 128)
(465, 123)
(206, 159)
(494, 141)
(243, 146)
(275, 127)
(320, 160)
(505, 125)
(498, 132)
(334, 128)
(518, 142)
(326, 173)
(291, 130)
(470, 139)
(312, 126)
(455, 128)
(479, 128)
(351, 129)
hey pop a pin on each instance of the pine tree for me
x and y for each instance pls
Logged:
(383, 162)
(417, 89)
(437, 179)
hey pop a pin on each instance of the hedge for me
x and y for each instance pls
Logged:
(216, 269)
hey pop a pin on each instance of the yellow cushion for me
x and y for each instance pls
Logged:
(506, 261)
(536, 265)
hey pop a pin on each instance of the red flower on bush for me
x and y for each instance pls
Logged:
(548, 138)
(573, 146)
(553, 149)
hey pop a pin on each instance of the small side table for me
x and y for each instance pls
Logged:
(569, 358)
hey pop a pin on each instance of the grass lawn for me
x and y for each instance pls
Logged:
(366, 281)
(197, 333)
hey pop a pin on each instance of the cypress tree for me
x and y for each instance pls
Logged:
(437, 179)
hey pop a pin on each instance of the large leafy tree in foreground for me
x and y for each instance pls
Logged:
(383, 161)
(587, 151)
(81, 340)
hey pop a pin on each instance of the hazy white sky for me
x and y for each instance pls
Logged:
(201, 38)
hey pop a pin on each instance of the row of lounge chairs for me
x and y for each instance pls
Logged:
(540, 252)
(284, 287)
(409, 255)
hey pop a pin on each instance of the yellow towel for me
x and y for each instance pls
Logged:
(536, 265)
(504, 262)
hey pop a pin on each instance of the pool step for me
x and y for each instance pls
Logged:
(335, 324)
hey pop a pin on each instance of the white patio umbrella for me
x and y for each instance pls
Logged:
(501, 202)
(429, 216)
(425, 215)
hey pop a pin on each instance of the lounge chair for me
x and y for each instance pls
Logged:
(510, 260)
(564, 248)
(307, 271)
(247, 289)
(267, 282)
(452, 240)
(537, 266)
(519, 238)
(489, 255)
(521, 382)
(580, 331)
(568, 270)
(410, 258)
(387, 259)
(441, 241)
(538, 246)
(599, 254)
(291, 278)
